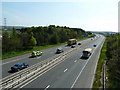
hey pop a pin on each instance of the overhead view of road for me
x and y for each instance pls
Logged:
(72, 72)
(60, 45)
(48, 53)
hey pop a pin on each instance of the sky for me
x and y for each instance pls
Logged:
(90, 15)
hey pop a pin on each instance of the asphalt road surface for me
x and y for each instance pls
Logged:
(73, 72)
(48, 53)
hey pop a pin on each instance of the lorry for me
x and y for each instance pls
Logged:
(86, 53)
(71, 42)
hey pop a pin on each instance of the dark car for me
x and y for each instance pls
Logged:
(94, 45)
(86, 54)
(59, 50)
(73, 46)
(79, 43)
(19, 66)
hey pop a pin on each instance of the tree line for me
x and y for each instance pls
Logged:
(27, 38)
(113, 56)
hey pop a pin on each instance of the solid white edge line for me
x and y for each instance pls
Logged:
(81, 71)
(96, 66)
(79, 75)
(37, 77)
(18, 59)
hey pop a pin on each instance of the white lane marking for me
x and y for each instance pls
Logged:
(38, 76)
(96, 66)
(78, 75)
(81, 71)
(65, 70)
(47, 87)
(75, 61)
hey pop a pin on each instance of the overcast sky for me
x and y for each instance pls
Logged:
(90, 15)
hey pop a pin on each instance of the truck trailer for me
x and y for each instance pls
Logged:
(71, 42)
(86, 53)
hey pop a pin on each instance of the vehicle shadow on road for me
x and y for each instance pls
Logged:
(10, 71)
(83, 58)
(31, 57)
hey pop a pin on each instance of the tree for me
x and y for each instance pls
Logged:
(14, 34)
(113, 56)
(54, 39)
(33, 41)
(5, 41)
(25, 40)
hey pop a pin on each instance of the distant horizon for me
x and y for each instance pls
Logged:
(58, 25)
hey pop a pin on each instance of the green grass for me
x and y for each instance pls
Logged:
(13, 54)
(0, 31)
(103, 57)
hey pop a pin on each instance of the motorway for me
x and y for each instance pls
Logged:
(73, 72)
(48, 53)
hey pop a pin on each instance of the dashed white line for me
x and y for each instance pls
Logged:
(65, 70)
(81, 71)
(47, 87)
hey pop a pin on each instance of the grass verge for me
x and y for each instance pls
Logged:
(103, 57)
(13, 54)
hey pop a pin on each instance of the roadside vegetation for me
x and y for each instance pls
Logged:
(36, 48)
(113, 55)
(110, 52)
(25, 40)
(97, 82)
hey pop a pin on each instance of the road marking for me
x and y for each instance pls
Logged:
(96, 65)
(65, 70)
(39, 75)
(75, 61)
(78, 75)
(47, 87)
(80, 72)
